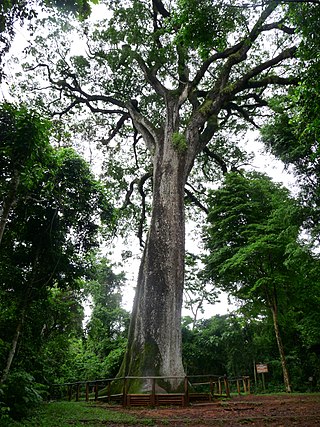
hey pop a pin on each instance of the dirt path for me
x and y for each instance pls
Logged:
(277, 410)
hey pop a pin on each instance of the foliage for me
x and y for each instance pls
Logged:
(73, 350)
(253, 224)
(24, 145)
(293, 132)
(232, 344)
(107, 328)
(179, 141)
(204, 25)
(21, 394)
(223, 345)
(137, 40)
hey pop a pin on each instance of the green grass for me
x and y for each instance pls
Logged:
(78, 414)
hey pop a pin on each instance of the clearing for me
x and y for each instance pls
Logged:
(262, 410)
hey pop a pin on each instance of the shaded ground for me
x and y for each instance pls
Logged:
(276, 410)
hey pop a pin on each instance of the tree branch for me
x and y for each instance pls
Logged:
(159, 7)
(150, 75)
(278, 26)
(219, 55)
(218, 159)
(115, 131)
(241, 110)
(143, 126)
(285, 54)
(141, 183)
(272, 80)
(195, 200)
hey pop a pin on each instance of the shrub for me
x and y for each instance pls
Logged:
(20, 395)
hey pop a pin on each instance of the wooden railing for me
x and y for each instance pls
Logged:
(194, 388)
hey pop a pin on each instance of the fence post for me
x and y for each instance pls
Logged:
(153, 392)
(124, 392)
(78, 392)
(109, 391)
(211, 389)
(69, 392)
(244, 384)
(238, 386)
(186, 391)
(96, 391)
(87, 392)
(226, 385)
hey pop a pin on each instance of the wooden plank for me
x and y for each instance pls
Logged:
(138, 399)
(153, 393)
(170, 399)
(200, 397)
(87, 392)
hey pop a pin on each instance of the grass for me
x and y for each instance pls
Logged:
(78, 414)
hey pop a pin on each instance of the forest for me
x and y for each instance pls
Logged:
(130, 121)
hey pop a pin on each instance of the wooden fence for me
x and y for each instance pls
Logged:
(194, 389)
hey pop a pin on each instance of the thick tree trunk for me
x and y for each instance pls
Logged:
(285, 372)
(154, 347)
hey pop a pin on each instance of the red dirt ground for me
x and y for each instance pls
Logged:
(276, 410)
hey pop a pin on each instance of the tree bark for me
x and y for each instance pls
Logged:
(285, 372)
(154, 347)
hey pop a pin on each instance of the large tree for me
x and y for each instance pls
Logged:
(175, 76)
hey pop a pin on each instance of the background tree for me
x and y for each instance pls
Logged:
(92, 349)
(24, 147)
(49, 233)
(252, 233)
(177, 75)
(293, 132)
(221, 345)
(107, 329)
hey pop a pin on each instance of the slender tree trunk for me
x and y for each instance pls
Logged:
(25, 304)
(154, 346)
(8, 202)
(14, 344)
(274, 311)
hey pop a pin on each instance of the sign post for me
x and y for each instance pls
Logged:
(262, 368)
